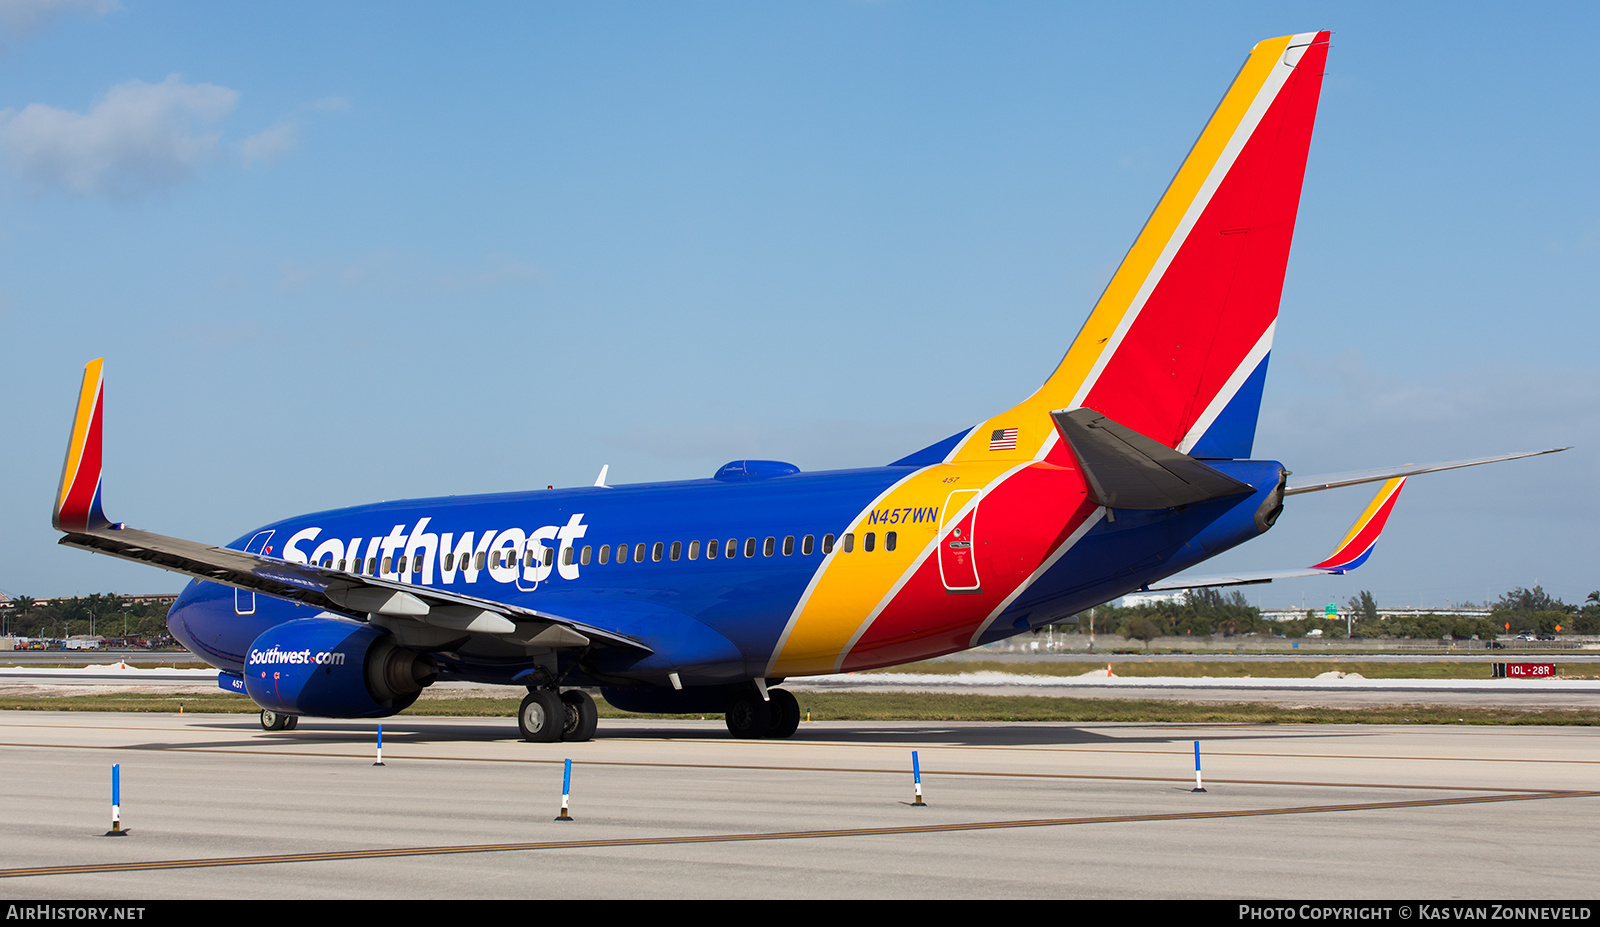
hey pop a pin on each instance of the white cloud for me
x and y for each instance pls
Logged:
(140, 137)
(20, 19)
(271, 145)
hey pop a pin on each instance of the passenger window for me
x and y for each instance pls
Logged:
(479, 558)
(749, 548)
(605, 554)
(638, 553)
(388, 562)
(694, 550)
(677, 549)
(655, 552)
(769, 546)
(711, 549)
(341, 564)
(566, 556)
(583, 560)
(416, 564)
(807, 545)
(788, 546)
(622, 553)
(849, 542)
(550, 555)
(449, 562)
(888, 540)
(733, 548)
(827, 543)
(867, 542)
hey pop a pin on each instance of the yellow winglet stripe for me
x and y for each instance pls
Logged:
(88, 397)
(1389, 488)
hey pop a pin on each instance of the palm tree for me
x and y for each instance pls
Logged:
(22, 606)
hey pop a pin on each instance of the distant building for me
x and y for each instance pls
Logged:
(1179, 597)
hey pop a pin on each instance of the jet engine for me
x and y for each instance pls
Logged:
(333, 667)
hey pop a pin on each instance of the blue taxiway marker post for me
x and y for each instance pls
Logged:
(566, 792)
(116, 802)
(380, 746)
(916, 778)
(1197, 786)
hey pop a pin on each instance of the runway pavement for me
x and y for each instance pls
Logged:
(217, 808)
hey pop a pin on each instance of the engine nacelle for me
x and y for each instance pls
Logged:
(333, 667)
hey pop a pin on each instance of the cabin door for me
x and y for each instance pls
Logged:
(244, 600)
(958, 564)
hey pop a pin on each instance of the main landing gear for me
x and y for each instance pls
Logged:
(278, 721)
(775, 717)
(546, 716)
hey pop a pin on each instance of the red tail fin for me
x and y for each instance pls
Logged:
(1177, 346)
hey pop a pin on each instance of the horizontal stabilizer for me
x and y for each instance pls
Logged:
(1357, 477)
(1231, 579)
(1126, 470)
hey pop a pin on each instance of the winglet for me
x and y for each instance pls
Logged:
(1357, 545)
(78, 497)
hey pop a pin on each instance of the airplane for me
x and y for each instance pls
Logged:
(1129, 465)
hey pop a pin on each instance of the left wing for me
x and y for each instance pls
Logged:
(79, 515)
(1351, 552)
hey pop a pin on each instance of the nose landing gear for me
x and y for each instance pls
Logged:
(278, 721)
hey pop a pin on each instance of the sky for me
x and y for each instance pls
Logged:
(338, 253)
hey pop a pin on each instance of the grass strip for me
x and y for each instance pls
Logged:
(1229, 669)
(907, 706)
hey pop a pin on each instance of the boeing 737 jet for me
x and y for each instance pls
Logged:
(1129, 465)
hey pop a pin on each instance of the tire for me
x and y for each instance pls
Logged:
(541, 717)
(273, 721)
(291, 722)
(785, 714)
(749, 716)
(582, 717)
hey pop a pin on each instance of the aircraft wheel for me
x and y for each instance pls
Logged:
(582, 717)
(785, 714)
(273, 721)
(290, 722)
(749, 716)
(541, 716)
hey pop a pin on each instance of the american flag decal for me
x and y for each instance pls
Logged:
(1003, 439)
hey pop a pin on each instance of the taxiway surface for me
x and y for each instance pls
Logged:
(218, 808)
